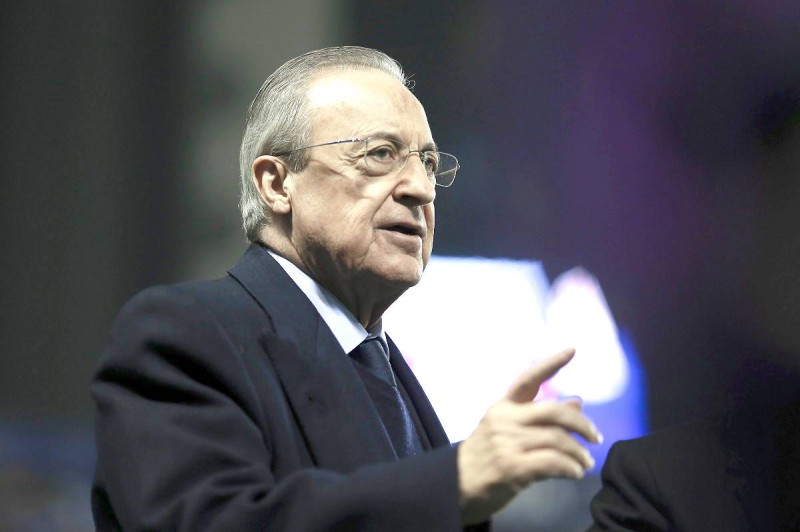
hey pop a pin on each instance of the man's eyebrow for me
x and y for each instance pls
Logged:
(428, 146)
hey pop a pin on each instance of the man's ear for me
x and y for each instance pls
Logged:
(269, 176)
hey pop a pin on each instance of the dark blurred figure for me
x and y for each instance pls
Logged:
(739, 470)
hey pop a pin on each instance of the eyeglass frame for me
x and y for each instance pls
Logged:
(366, 141)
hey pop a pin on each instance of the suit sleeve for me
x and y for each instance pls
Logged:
(629, 498)
(181, 444)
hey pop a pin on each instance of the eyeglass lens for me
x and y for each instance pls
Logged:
(383, 156)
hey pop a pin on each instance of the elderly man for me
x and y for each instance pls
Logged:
(271, 398)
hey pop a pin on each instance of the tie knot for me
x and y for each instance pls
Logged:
(372, 354)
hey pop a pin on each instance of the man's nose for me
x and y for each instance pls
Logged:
(415, 183)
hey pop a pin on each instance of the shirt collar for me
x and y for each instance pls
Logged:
(344, 326)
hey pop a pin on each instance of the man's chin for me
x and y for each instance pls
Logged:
(399, 275)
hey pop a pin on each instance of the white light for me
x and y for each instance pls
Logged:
(472, 325)
(577, 315)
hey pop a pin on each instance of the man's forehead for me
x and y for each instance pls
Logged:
(357, 103)
(356, 95)
(354, 86)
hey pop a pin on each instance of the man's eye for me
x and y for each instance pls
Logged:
(382, 153)
(431, 161)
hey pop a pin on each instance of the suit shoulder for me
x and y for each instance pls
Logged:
(662, 481)
(189, 314)
(220, 290)
(701, 433)
(671, 457)
(197, 301)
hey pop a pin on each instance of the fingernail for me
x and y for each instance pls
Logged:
(574, 398)
(579, 473)
(597, 436)
(589, 459)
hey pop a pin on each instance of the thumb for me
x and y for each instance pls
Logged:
(527, 385)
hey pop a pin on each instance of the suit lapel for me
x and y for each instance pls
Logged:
(333, 410)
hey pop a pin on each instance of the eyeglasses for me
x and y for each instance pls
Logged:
(381, 157)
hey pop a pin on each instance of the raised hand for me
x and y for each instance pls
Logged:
(520, 441)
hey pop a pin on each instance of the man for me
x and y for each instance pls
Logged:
(264, 399)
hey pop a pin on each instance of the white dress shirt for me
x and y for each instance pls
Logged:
(344, 326)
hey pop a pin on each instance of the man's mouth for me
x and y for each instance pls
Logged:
(407, 229)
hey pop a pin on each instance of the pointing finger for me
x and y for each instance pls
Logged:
(527, 385)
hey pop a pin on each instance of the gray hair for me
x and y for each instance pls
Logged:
(278, 119)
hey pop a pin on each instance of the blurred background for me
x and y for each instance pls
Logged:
(654, 145)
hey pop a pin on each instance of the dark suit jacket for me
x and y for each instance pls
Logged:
(229, 405)
(736, 472)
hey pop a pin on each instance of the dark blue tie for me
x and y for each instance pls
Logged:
(372, 354)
